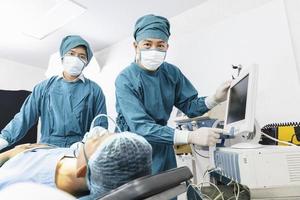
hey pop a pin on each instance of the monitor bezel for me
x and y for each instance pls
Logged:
(243, 127)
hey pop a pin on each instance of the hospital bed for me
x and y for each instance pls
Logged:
(162, 186)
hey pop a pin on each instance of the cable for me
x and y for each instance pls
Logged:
(187, 191)
(236, 185)
(208, 171)
(200, 194)
(217, 197)
(230, 182)
(201, 184)
(279, 141)
(196, 151)
(205, 173)
(108, 117)
(235, 195)
(238, 193)
(205, 195)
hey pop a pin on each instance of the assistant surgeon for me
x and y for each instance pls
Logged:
(65, 104)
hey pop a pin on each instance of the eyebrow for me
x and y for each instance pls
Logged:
(78, 53)
(147, 41)
(159, 42)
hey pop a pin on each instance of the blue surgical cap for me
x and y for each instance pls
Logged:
(121, 158)
(72, 41)
(152, 26)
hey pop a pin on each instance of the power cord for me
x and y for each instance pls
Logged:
(276, 140)
(199, 186)
(199, 154)
(196, 194)
(238, 192)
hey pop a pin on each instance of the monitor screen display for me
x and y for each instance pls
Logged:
(238, 101)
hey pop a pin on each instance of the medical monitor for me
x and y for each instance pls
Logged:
(240, 110)
(237, 101)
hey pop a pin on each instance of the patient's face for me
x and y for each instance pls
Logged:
(90, 147)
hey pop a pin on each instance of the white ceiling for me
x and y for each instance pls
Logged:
(104, 23)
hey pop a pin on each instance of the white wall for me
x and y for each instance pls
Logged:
(200, 59)
(112, 60)
(293, 15)
(17, 76)
(259, 35)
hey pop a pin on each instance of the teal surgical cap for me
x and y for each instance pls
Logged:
(72, 41)
(121, 158)
(152, 26)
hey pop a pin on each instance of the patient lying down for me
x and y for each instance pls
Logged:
(100, 164)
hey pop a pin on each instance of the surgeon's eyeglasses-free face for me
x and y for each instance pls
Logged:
(157, 44)
(82, 56)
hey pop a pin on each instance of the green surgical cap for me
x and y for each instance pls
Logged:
(72, 41)
(152, 26)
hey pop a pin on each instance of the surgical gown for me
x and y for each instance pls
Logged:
(144, 101)
(66, 110)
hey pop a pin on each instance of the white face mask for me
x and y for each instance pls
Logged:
(73, 65)
(152, 59)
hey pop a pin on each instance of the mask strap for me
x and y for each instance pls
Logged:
(88, 173)
(108, 117)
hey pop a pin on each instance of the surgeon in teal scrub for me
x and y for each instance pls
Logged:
(149, 87)
(65, 104)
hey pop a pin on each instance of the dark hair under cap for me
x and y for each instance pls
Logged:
(71, 41)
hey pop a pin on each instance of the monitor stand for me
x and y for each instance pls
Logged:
(248, 140)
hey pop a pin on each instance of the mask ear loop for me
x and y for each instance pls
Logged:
(88, 173)
(108, 117)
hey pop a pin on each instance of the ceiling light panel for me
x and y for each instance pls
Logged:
(56, 17)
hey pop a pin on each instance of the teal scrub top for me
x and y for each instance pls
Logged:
(66, 110)
(144, 101)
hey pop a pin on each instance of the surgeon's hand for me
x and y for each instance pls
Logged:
(204, 136)
(219, 96)
(221, 93)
